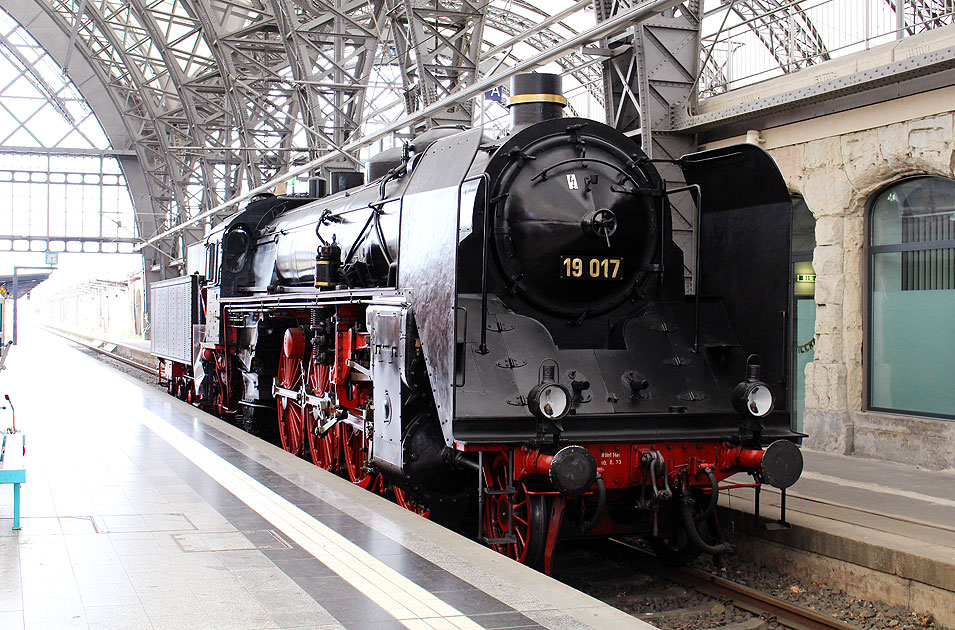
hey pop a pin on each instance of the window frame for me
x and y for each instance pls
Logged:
(870, 253)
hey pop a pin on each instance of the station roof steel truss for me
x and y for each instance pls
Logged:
(220, 96)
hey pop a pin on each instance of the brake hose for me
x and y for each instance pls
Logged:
(714, 497)
(693, 534)
(601, 505)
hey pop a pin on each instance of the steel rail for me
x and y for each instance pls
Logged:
(785, 613)
(600, 30)
(111, 355)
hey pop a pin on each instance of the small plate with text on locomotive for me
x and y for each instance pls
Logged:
(591, 268)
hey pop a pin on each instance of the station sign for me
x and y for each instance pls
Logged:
(495, 94)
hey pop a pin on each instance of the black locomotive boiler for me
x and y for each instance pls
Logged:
(496, 331)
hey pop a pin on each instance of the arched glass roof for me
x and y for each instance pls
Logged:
(219, 96)
(39, 106)
(58, 190)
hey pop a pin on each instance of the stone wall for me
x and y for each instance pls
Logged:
(838, 176)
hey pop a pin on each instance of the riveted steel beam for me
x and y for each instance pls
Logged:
(651, 70)
(887, 81)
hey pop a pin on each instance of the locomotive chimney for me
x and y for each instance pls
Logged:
(535, 97)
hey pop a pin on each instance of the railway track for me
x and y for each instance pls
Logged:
(627, 576)
(101, 348)
(766, 606)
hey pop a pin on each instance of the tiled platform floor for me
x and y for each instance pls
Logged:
(136, 514)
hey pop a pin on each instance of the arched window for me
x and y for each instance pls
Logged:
(911, 338)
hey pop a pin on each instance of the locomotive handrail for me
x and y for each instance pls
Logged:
(543, 172)
(696, 257)
(382, 200)
(482, 348)
(362, 235)
(344, 295)
(382, 241)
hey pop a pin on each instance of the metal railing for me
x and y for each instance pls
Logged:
(747, 41)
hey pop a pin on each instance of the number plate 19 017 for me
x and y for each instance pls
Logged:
(591, 268)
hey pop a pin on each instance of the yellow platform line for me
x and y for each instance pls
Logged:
(409, 603)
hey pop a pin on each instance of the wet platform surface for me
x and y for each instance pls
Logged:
(140, 511)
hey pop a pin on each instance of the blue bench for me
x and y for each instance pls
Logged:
(12, 469)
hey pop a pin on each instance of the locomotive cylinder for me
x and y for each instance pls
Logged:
(535, 97)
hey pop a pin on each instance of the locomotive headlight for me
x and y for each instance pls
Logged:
(758, 400)
(549, 401)
(753, 397)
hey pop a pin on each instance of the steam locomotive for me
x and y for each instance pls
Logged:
(496, 331)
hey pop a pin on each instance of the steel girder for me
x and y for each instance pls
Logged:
(651, 69)
(786, 32)
(437, 47)
(28, 70)
(221, 95)
(331, 48)
(923, 15)
(782, 27)
(122, 40)
(575, 64)
(224, 94)
(792, 39)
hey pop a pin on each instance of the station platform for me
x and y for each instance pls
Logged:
(140, 511)
(877, 530)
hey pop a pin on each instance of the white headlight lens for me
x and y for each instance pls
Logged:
(759, 401)
(553, 401)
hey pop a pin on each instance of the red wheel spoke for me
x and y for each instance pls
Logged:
(325, 450)
(291, 418)
(521, 540)
(356, 455)
(403, 499)
(519, 516)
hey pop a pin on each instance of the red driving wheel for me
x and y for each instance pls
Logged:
(324, 449)
(518, 521)
(355, 448)
(403, 499)
(291, 415)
